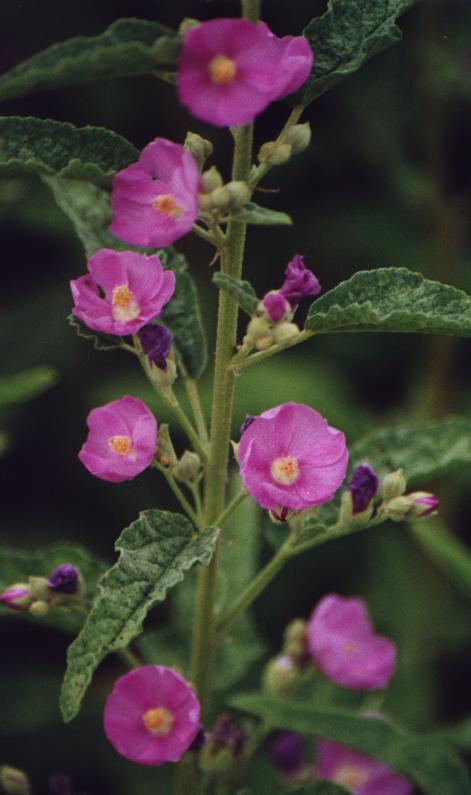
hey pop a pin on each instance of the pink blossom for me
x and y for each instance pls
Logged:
(152, 715)
(135, 288)
(155, 201)
(291, 458)
(231, 69)
(358, 773)
(122, 440)
(299, 282)
(342, 643)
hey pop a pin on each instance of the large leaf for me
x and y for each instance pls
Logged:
(17, 565)
(127, 47)
(58, 149)
(26, 384)
(350, 32)
(431, 763)
(392, 299)
(240, 290)
(155, 551)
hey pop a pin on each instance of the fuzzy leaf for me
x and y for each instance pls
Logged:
(241, 291)
(127, 47)
(347, 35)
(17, 565)
(431, 763)
(392, 299)
(155, 551)
(26, 384)
(58, 149)
(252, 213)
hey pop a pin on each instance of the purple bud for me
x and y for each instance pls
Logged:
(363, 487)
(276, 306)
(64, 579)
(429, 502)
(16, 597)
(156, 343)
(299, 282)
(226, 734)
(246, 423)
(287, 753)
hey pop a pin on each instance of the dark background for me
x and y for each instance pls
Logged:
(384, 183)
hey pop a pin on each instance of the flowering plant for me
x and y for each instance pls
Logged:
(293, 472)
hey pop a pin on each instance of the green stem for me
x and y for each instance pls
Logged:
(191, 388)
(238, 362)
(178, 494)
(128, 657)
(208, 236)
(230, 507)
(251, 9)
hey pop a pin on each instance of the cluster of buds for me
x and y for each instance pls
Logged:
(282, 673)
(291, 142)
(218, 199)
(224, 748)
(186, 469)
(64, 586)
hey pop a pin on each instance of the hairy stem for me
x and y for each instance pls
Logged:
(231, 507)
(191, 388)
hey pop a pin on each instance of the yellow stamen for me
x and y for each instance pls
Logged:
(351, 777)
(222, 70)
(165, 204)
(121, 445)
(125, 306)
(285, 470)
(158, 721)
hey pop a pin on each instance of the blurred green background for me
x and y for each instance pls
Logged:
(386, 181)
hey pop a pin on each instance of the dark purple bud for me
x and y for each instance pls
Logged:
(200, 740)
(64, 579)
(363, 486)
(226, 735)
(59, 784)
(276, 306)
(156, 343)
(299, 282)
(287, 753)
(246, 423)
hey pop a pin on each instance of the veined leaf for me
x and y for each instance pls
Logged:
(240, 290)
(252, 213)
(347, 35)
(392, 299)
(431, 763)
(127, 47)
(58, 149)
(155, 551)
(26, 384)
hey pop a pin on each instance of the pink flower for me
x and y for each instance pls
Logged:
(290, 458)
(230, 70)
(276, 306)
(122, 440)
(300, 282)
(155, 201)
(342, 643)
(151, 716)
(358, 773)
(135, 287)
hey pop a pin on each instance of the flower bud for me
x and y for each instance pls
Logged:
(274, 154)
(298, 137)
(287, 754)
(280, 675)
(156, 341)
(275, 305)
(363, 487)
(393, 485)
(240, 193)
(425, 504)
(17, 596)
(224, 748)
(164, 378)
(199, 147)
(259, 333)
(284, 331)
(211, 179)
(166, 454)
(13, 781)
(295, 639)
(281, 514)
(39, 588)
(220, 198)
(416, 505)
(39, 608)
(65, 579)
(187, 469)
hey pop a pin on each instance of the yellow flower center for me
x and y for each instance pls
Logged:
(121, 445)
(285, 470)
(350, 777)
(125, 306)
(158, 721)
(222, 70)
(165, 204)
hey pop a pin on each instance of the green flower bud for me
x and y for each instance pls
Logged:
(220, 198)
(163, 378)
(187, 469)
(204, 202)
(39, 608)
(199, 147)
(294, 640)
(14, 781)
(240, 193)
(275, 154)
(393, 485)
(211, 179)
(298, 137)
(280, 675)
(166, 454)
(39, 587)
(284, 331)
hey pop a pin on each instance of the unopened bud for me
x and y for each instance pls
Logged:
(17, 596)
(225, 746)
(199, 147)
(281, 514)
(39, 608)
(393, 485)
(274, 154)
(363, 487)
(211, 179)
(259, 328)
(13, 781)
(163, 378)
(220, 198)
(166, 454)
(294, 641)
(188, 23)
(275, 305)
(187, 469)
(416, 505)
(39, 587)
(65, 579)
(425, 504)
(280, 675)
(298, 137)
(240, 193)
(284, 331)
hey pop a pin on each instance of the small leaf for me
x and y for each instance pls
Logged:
(392, 299)
(252, 213)
(346, 36)
(58, 149)
(26, 384)
(241, 291)
(155, 551)
(101, 342)
(431, 763)
(127, 47)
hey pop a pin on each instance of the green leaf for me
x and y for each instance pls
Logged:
(423, 451)
(241, 291)
(252, 213)
(17, 565)
(447, 552)
(127, 47)
(58, 149)
(155, 551)
(183, 317)
(392, 299)
(347, 35)
(430, 763)
(26, 384)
